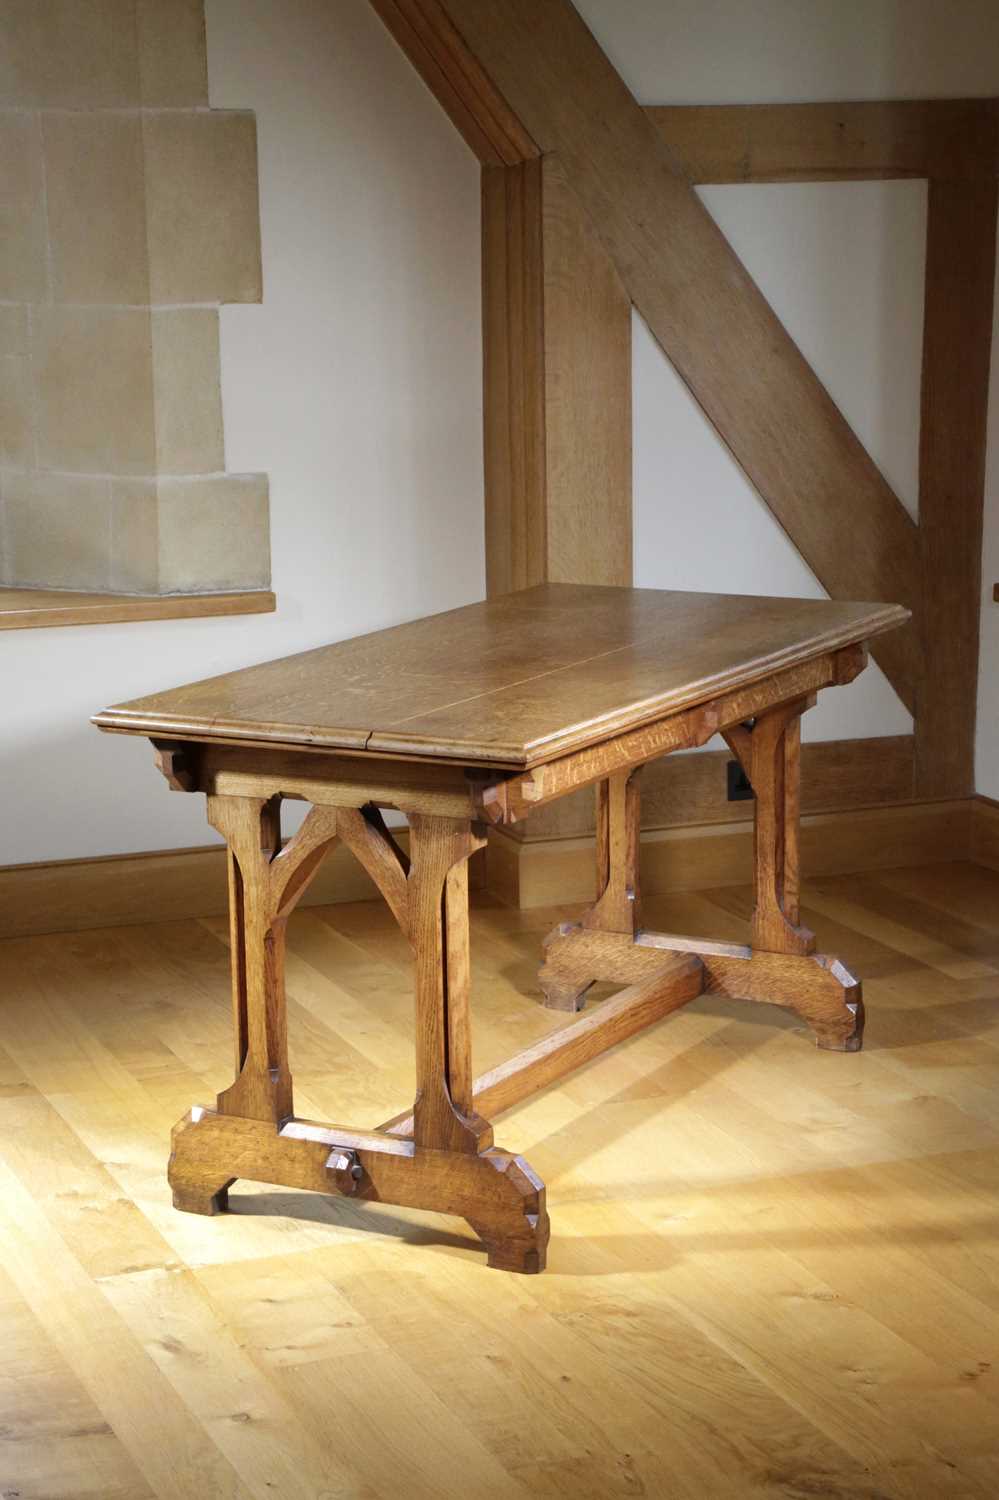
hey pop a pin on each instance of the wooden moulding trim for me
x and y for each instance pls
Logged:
(587, 380)
(461, 87)
(30, 609)
(508, 801)
(835, 141)
(556, 362)
(853, 141)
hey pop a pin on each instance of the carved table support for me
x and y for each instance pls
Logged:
(497, 1193)
(769, 750)
(617, 907)
(483, 715)
(438, 880)
(449, 1164)
(779, 966)
(265, 882)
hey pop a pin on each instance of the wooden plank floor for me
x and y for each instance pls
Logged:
(774, 1271)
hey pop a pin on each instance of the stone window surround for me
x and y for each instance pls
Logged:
(131, 214)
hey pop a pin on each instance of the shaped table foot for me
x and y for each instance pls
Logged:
(192, 1198)
(525, 1254)
(498, 1193)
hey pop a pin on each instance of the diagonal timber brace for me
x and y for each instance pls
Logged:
(539, 66)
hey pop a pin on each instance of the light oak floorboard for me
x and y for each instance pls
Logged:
(774, 1271)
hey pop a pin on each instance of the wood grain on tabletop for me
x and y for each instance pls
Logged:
(512, 681)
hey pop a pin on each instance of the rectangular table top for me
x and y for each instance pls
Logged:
(511, 682)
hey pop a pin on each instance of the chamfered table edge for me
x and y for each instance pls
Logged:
(396, 745)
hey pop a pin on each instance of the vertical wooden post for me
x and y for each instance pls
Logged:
(460, 1080)
(265, 881)
(791, 872)
(262, 1090)
(557, 387)
(770, 753)
(443, 1119)
(556, 391)
(957, 341)
(513, 377)
(617, 908)
(619, 821)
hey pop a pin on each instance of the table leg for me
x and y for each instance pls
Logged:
(770, 753)
(778, 966)
(449, 1164)
(617, 908)
(265, 881)
(823, 992)
(443, 1119)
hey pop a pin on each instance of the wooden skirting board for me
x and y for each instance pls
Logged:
(162, 886)
(985, 832)
(837, 776)
(559, 871)
(171, 885)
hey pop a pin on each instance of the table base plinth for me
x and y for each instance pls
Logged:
(497, 1193)
(817, 987)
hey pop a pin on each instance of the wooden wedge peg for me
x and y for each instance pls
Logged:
(176, 762)
(344, 1168)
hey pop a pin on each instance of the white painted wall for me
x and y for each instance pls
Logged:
(842, 265)
(356, 386)
(784, 51)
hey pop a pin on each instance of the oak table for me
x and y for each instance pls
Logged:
(468, 719)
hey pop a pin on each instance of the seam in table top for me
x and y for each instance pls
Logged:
(552, 672)
(581, 661)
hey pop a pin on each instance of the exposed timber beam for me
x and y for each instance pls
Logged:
(845, 142)
(957, 344)
(698, 300)
(513, 376)
(462, 88)
(557, 365)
